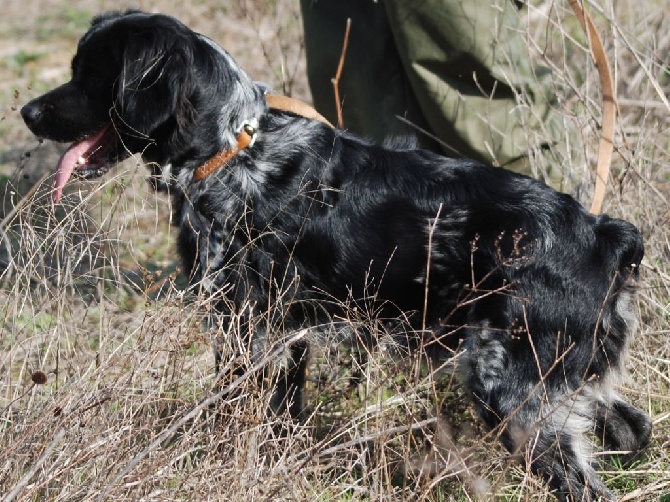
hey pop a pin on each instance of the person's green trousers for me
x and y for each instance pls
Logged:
(456, 69)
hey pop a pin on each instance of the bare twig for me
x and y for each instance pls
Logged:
(18, 487)
(336, 80)
(5, 221)
(278, 349)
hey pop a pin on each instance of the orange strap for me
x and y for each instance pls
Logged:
(244, 138)
(609, 107)
(223, 157)
(295, 106)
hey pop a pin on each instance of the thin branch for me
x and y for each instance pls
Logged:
(163, 436)
(336, 80)
(18, 487)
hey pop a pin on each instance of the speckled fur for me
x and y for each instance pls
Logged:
(315, 227)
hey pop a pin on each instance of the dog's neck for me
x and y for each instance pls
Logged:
(246, 134)
(245, 138)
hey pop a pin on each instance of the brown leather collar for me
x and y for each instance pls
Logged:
(245, 137)
(223, 157)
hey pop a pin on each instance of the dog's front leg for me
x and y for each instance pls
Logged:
(288, 382)
(286, 374)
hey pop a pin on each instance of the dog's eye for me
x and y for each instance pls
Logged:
(94, 88)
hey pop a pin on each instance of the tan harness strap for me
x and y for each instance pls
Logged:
(609, 106)
(295, 106)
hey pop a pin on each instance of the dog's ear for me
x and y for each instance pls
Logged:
(155, 83)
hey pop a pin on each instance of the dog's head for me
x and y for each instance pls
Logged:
(144, 83)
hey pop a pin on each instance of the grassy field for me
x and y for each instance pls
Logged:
(108, 389)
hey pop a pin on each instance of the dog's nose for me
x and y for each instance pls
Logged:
(32, 112)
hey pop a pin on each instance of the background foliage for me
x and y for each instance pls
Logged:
(106, 380)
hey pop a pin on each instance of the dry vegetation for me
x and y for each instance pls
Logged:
(107, 387)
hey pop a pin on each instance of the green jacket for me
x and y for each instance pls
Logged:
(457, 70)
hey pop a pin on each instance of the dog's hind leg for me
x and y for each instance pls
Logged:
(622, 428)
(549, 433)
(558, 450)
(541, 420)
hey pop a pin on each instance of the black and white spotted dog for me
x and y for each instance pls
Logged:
(535, 295)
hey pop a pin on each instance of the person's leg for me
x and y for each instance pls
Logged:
(374, 89)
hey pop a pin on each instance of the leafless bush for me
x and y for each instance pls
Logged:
(108, 388)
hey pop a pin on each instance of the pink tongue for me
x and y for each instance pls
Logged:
(70, 159)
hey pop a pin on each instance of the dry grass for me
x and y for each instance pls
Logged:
(107, 386)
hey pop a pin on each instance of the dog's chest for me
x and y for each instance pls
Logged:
(201, 246)
(231, 251)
